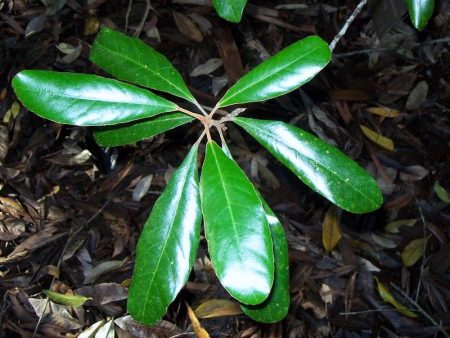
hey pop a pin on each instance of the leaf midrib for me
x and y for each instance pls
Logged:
(228, 201)
(274, 72)
(140, 65)
(320, 164)
(49, 92)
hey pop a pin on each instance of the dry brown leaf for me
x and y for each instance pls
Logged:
(217, 308)
(187, 27)
(331, 231)
(198, 328)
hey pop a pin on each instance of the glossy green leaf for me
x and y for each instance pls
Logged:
(276, 306)
(113, 136)
(168, 244)
(285, 71)
(322, 167)
(236, 228)
(71, 300)
(420, 11)
(85, 100)
(230, 10)
(130, 59)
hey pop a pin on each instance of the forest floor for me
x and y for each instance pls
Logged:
(71, 212)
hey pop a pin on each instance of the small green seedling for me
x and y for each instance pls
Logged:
(246, 241)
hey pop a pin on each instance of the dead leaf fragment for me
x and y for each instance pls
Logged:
(382, 141)
(393, 227)
(417, 96)
(187, 27)
(331, 231)
(199, 330)
(413, 251)
(91, 25)
(389, 298)
(4, 142)
(217, 308)
(207, 68)
(384, 111)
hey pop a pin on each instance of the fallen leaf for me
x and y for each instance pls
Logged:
(141, 188)
(382, 141)
(198, 329)
(413, 251)
(394, 227)
(107, 330)
(331, 231)
(91, 25)
(11, 113)
(207, 68)
(55, 314)
(187, 27)
(383, 111)
(383, 241)
(441, 192)
(389, 298)
(67, 299)
(417, 96)
(217, 308)
(91, 330)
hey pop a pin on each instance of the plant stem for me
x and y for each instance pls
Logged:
(188, 112)
(347, 24)
(198, 105)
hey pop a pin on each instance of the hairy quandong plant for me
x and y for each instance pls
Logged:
(246, 241)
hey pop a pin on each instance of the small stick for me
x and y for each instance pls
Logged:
(421, 310)
(148, 6)
(347, 24)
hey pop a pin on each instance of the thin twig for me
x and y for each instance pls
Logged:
(387, 49)
(420, 309)
(424, 247)
(148, 6)
(347, 24)
(127, 16)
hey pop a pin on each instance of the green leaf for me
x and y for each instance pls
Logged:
(167, 246)
(420, 11)
(322, 167)
(276, 306)
(441, 192)
(85, 100)
(113, 136)
(230, 10)
(71, 300)
(236, 228)
(130, 59)
(285, 71)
